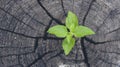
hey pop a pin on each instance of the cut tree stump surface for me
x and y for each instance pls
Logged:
(24, 41)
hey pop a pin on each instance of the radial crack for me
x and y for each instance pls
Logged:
(59, 53)
(85, 16)
(15, 54)
(72, 60)
(46, 29)
(103, 42)
(27, 36)
(40, 57)
(17, 33)
(84, 53)
(110, 52)
(76, 56)
(16, 18)
(56, 20)
(36, 44)
(30, 15)
(65, 14)
(113, 30)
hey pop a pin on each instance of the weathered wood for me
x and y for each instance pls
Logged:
(25, 43)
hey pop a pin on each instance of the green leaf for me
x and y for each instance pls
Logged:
(81, 31)
(67, 46)
(58, 30)
(71, 21)
(69, 37)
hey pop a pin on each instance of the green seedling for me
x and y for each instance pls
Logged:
(70, 31)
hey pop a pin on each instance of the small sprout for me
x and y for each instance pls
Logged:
(75, 30)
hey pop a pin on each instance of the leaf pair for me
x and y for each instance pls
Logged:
(75, 30)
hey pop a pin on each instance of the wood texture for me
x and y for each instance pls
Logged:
(25, 43)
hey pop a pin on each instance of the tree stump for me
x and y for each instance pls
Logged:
(24, 41)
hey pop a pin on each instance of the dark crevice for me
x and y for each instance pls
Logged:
(104, 21)
(56, 20)
(59, 53)
(15, 54)
(36, 60)
(17, 33)
(14, 47)
(71, 60)
(54, 38)
(113, 30)
(96, 43)
(85, 16)
(84, 53)
(111, 52)
(65, 14)
(19, 62)
(45, 65)
(35, 20)
(36, 44)
(16, 18)
(111, 15)
(92, 41)
(46, 29)
(76, 56)
(82, 39)
(30, 15)
(40, 57)
(27, 36)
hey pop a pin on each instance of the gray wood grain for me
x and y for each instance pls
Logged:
(25, 43)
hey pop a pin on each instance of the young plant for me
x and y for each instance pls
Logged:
(70, 31)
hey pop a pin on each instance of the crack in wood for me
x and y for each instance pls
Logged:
(84, 53)
(62, 4)
(113, 30)
(102, 51)
(85, 16)
(16, 54)
(111, 15)
(96, 43)
(72, 60)
(46, 29)
(36, 44)
(27, 36)
(30, 15)
(40, 57)
(16, 18)
(76, 56)
(59, 53)
(82, 39)
(56, 20)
